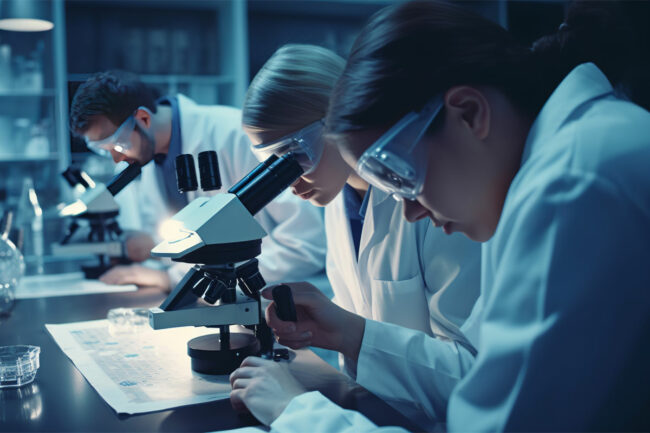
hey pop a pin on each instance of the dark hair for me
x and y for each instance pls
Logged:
(409, 52)
(114, 94)
(614, 35)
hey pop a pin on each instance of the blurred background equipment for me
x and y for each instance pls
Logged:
(204, 49)
(94, 228)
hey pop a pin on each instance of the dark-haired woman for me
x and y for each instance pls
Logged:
(537, 155)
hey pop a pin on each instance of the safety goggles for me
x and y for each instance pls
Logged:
(397, 161)
(120, 140)
(306, 146)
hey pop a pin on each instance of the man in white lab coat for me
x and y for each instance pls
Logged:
(120, 117)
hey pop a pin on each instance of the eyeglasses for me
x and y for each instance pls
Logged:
(306, 145)
(120, 140)
(397, 161)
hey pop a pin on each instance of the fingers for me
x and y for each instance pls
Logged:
(295, 344)
(303, 293)
(111, 276)
(237, 399)
(240, 383)
(242, 373)
(256, 361)
(275, 322)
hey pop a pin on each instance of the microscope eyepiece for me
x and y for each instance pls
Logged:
(118, 183)
(209, 171)
(73, 177)
(186, 173)
(269, 183)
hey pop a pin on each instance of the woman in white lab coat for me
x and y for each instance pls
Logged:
(380, 266)
(538, 156)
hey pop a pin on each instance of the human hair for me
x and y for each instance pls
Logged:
(114, 94)
(292, 89)
(614, 35)
(409, 52)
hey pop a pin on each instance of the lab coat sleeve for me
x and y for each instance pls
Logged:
(343, 300)
(314, 413)
(566, 321)
(408, 367)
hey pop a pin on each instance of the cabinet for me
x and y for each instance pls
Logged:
(194, 47)
(33, 117)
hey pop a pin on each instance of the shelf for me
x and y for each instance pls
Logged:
(23, 158)
(166, 79)
(27, 93)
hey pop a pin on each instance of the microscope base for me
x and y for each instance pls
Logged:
(208, 357)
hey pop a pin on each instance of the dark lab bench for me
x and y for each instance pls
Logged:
(60, 399)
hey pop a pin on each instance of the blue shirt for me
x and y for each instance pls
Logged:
(355, 210)
(165, 163)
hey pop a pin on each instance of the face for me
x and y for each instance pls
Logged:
(473, 156)
(323, 183)
(141, 138)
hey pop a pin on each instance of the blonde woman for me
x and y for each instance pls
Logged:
(380, 266)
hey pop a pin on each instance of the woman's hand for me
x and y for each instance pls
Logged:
(321, 323)
(263, 387)
(138, 275)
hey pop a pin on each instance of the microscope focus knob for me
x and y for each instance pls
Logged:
(200, 286)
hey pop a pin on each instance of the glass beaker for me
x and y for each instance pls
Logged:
(12, 268)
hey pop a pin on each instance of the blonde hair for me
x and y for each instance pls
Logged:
(292, 89)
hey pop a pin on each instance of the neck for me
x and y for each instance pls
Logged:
(359, 185)
(162, 128)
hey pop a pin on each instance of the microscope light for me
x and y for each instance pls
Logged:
(171, 229)
(76, 208)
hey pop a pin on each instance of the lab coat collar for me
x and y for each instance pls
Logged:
(378, 196)
(584, 83)
(189, 132)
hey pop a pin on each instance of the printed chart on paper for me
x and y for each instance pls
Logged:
(138, 369)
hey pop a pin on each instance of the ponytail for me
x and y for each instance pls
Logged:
(409, 52)
(614, 35)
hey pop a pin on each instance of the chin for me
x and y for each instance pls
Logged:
(319, 199)
(480, 234)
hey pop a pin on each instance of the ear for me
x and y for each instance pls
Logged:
(143, 116)
(471, 107)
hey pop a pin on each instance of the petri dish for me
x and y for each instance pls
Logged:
(18, 365)
(127, 320)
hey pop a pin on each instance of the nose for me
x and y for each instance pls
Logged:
(117, 156)
(299, 186)
(414, 211)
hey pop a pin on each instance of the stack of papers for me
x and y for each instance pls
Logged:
(140, 370)
(74, 283)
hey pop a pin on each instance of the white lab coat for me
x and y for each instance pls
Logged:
(565, 299)
(295, 246)
(412, 275)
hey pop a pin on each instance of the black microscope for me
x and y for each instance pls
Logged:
(94, 229)
(220, 236)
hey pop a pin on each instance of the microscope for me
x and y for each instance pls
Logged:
(94, 229)
(220, 236)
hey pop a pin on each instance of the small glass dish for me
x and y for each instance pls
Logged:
(127, 320)
(18, 365)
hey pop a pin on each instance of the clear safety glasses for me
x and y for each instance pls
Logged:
(397, 161)
(306, 145)
(120, 140)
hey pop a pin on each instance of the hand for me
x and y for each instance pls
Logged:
(139, 246)
(321, 322)
(263, 387)
(138, 275)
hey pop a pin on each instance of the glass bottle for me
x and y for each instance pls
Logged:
(12, 267)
